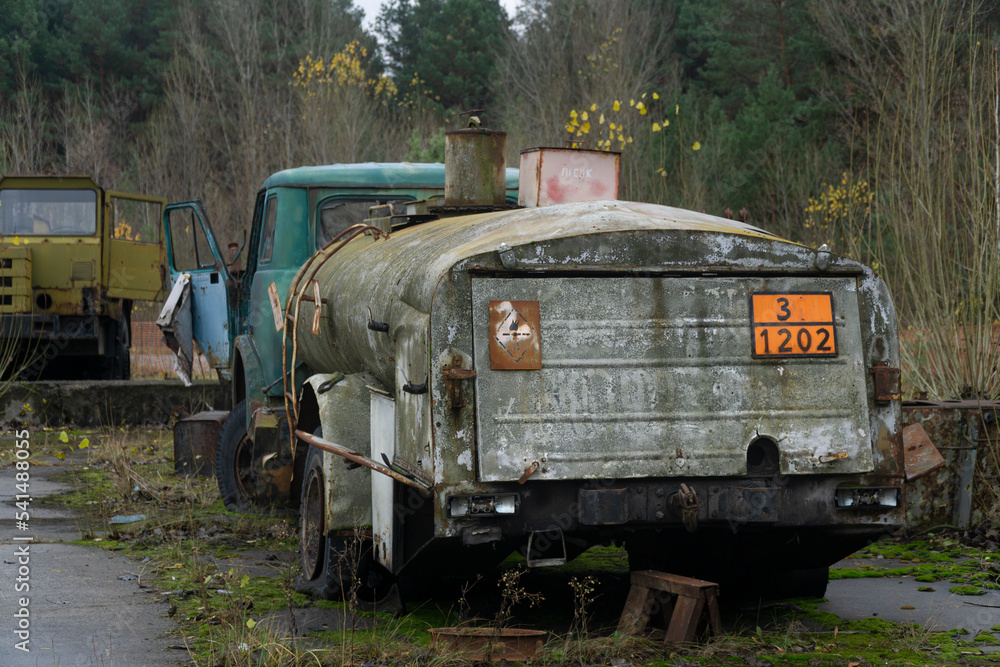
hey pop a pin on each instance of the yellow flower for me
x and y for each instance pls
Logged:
(585, 128)
(656, 96)
(583, 116)
(677, 109)
(617, 105)
(611, 125)
(696, 146)
(644, 96)
(601, 121)
(631, 103)
(569, 128)
(593, 107)
(621, 138)
(640, 106)
(666, 121)
(656, 127)
(572, 113)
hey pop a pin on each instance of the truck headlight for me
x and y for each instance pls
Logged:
(861, 497)
(506, 504)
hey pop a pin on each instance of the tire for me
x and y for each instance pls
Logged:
(121, 362)
(234, 461)
(320, 576)
(331, 563)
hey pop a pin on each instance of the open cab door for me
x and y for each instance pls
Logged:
(134, 266)
(192, 251)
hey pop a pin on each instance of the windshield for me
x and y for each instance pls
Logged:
(48, 212)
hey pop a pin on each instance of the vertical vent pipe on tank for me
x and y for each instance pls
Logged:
(475, 167)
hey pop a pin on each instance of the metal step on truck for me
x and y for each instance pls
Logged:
(424, 366)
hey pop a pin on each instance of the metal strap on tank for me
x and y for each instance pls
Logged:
(312, 266)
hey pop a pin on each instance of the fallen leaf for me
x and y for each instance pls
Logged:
(907, 607)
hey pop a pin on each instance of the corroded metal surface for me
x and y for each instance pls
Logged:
(195, 438)
(475, 168)
(961, 493)
(663, 366)
(919, 453)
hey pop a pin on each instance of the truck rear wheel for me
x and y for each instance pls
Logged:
(234, 461)
(333, 563)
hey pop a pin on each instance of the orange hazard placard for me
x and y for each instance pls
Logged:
(793, 325)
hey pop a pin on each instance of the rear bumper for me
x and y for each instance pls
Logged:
(727, 513)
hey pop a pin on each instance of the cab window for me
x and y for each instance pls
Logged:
(336, 215)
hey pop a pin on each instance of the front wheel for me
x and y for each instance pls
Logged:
(234, 461)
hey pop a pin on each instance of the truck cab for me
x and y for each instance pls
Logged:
(73, 258)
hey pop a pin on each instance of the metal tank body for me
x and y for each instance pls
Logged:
(592, 357)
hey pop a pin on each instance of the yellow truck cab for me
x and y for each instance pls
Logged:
(73, 258)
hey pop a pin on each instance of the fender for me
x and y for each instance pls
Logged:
(251, 379)
(345, 418)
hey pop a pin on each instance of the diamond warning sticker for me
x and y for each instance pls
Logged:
(515, 335)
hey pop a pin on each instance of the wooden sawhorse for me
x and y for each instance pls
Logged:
(694, 597)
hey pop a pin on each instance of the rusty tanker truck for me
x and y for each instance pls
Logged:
(465, 378)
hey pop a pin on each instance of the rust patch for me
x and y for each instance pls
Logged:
(515, 335)
(919, 453)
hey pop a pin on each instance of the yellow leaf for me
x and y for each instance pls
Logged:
(60, 455)
(251, 623)
(63, 436)
(84, 443)
(17, 240)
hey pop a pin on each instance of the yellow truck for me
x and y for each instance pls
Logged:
(73, 258)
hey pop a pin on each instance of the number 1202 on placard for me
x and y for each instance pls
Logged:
(793, 325)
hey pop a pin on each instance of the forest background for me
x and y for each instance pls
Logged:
(870, 125)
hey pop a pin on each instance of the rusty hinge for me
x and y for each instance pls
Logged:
(886, 382)
(454, 374)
